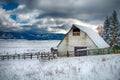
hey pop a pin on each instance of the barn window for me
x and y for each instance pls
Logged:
(76, 32)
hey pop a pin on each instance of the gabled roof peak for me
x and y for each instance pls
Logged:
(94, 36)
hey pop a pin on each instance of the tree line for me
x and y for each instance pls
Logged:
(111, 32)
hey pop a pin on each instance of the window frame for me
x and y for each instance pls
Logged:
(76, 32)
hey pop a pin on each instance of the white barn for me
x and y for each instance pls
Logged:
(81, 41)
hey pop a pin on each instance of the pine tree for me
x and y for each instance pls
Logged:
(112, 30)
(115, 29)
(118, 33)
(106, 34)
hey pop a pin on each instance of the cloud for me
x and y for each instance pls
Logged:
(76, 6)
(7, 23)
(57, 25)
(86, 10)
(70, 8)
(29, 22)
(50, 15)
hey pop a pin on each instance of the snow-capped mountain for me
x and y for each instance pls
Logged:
(43, 30)
(31, 35)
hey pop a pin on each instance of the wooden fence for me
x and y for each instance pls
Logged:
(37, 55)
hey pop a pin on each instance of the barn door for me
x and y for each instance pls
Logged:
(80, 53)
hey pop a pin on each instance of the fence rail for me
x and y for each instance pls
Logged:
(37, 55)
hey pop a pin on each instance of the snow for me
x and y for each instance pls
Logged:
(95, 37)
(26, 46)
(102, 67)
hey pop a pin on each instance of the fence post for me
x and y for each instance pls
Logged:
(109, 50)
(31, 55)
(38, 56)
(3, 57)
(18, 56)
(13, 57)
(88, 52)
(103, 51)
(7, 56)
(41, 55)
(67, 54)
(98, 52)
(24, 56)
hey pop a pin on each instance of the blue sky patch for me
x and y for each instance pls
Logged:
(10, 6)
(13, 16)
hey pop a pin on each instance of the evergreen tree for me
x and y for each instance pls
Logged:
(118, 33)
(106, 34)
(115, 29)
(112, 30)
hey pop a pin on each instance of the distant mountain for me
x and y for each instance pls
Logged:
(31, 35)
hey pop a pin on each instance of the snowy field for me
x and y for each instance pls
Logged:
(24, 46)
(102, 67)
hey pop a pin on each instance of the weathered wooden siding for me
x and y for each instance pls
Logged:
(62, 48)
(71, 41)
(82, 41)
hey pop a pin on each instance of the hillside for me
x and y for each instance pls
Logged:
(31, 35)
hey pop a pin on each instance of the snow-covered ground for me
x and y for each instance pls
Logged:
(24, 46)
(102, 67)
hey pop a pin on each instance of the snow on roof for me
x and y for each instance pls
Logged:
(95, 37)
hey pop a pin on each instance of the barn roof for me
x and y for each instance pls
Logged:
(94, 36)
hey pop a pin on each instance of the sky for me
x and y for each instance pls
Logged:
(52, 15)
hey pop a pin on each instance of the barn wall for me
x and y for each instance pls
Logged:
(71, 41)
(82, 41)
(62, 48)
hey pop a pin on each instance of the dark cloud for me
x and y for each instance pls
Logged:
(34, 28)
(81, 9)
(54, 15)
(71, 8)
(90, 11)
